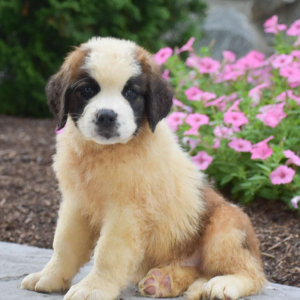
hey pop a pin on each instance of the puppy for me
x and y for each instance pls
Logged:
(130, 194)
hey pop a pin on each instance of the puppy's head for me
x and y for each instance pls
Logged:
(109, 87)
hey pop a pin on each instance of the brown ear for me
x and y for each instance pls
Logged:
(56, 89)
(158, 99)
(59, 84)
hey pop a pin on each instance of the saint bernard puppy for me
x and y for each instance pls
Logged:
(130, 195)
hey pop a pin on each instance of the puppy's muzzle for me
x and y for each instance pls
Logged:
(106, 120)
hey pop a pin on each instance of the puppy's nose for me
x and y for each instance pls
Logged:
(106, 118)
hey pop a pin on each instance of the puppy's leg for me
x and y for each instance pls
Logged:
(230, 257)
(168, 281)
(196, 290)
(71, 250)
(117, 254)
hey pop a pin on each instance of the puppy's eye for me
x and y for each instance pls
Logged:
(130, 95)
(87, 91)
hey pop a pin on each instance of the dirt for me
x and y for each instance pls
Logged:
(29, 200)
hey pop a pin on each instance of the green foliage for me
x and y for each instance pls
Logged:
(35, 36)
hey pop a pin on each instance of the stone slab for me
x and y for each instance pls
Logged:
(16, 261)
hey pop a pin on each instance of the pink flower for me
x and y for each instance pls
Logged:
(282, 175)
(240, 145)
(192, 61)
(223, 132)
(281, 97)
(282, 61)
(237, 119)
(296, 54)
(256, 92)
(191, 142)
(232, 97)
(165, 74)
(193, 93)
(196, 120)
(272, 26)
(252, 60)
(292, 73)
(208, 96)
(216, 144)
(261, 150)
(295, 201)
(293, 158)
(291, 95)
(208, 65)
(202, 160)
(230, 73)
(180, 104)
(192, 131)
(188, 46)
(162, 55)
(219, 103)
(294, 30)
(175, 119)
(271, 115)
(229, 56)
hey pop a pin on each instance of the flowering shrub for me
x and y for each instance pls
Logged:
(240, 119)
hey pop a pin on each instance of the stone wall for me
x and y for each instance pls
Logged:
(237, 25)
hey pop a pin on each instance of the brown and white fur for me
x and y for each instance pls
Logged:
(130, 193)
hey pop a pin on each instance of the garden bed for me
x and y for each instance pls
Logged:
(29, 200)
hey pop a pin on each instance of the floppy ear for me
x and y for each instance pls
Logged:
(159, 98)
(56, 90)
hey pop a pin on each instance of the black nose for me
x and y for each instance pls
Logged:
(106, 118)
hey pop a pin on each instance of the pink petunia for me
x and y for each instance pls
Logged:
(296, 54)
(188, 46)
(197, 119)
(281, 97)
(175, 119)
(237, 119)
(272, 26)
(163, 55)
(282, 175)
(229, 56)
(282, 61)
(178, 103)
(193, 93)
(261, 150)
(297, 43)
(295, 201)
(191, 142)
(294, 29)
(291, 95)
(292, 73)
(217, 142)
(223, 132)
(192, 61)
(202, 160)
(206, 96)
(252, 60)
(256, 92)
(293, 158)
(208, 65)
(271, 115)
(232, 97)
(165, 74)
(240, 145)
(192, 131)
(220, 103)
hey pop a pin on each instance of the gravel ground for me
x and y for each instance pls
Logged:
(29, 200)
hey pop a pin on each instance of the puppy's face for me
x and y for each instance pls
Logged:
(109, 87)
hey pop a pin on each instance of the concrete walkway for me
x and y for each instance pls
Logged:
(16, 261)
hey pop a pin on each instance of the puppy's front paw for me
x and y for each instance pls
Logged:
(43, 282)
(91, 288)
(221, 287)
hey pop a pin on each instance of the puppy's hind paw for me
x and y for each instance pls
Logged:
(156, 284)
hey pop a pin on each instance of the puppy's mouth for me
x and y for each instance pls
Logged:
(108, 133)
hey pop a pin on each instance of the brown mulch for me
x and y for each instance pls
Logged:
(29, 200)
